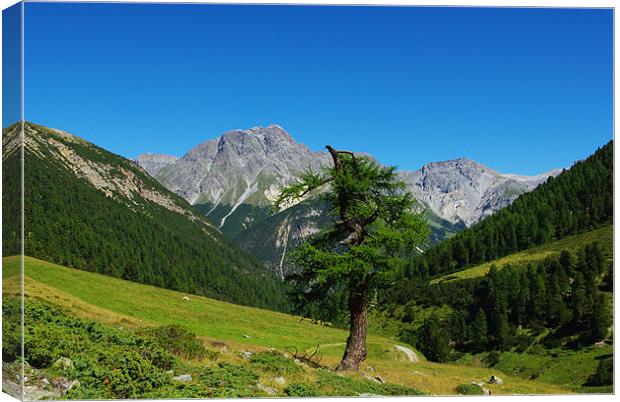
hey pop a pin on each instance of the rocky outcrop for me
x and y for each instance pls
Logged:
(153, 163)
(462, 190)
(239, 167)
(234, 178)
(250, 166)
(112, 178)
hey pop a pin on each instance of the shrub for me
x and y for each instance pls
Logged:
(492, 358)
(11, 329)
(331, 384)
(229, 380)
(469, 389)
(300, 390)
(274, 362)
(109, 362)
(604, 374)
(130, 375)
(178, 341)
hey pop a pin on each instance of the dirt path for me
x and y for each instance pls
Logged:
(408, 352)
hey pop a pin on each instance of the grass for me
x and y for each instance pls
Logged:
(121, 303)
(568, 368)
(603, 235)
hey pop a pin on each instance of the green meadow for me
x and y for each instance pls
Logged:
(121, 304)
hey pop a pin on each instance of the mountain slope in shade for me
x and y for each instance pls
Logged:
(271, 239)
(88, 208)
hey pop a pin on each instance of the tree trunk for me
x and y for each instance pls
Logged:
(355, 352)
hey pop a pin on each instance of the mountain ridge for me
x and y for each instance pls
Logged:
(133, 227)
(234, 178)
(194, 175)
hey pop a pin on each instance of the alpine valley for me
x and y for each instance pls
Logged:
(167, 277)
(233, 180)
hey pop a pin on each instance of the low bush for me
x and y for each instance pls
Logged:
(229, 381)
(469, 389)
(179, 341)
(109, 362)
(331, 384)
(11, 329)
(492, 358)
(301, 390)
(275, 362)
(604, 374)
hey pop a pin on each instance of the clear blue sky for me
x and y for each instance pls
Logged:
(520, 90)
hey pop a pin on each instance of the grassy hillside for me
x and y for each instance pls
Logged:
(603, 235)
(90, 209)
(118, 303)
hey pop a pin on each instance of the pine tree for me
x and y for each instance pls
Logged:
(578, 300)
(478, 331)
(369, 243)
(458, 327)
(433, 341)
(600, 319)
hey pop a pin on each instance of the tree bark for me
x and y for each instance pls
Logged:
(355, 352)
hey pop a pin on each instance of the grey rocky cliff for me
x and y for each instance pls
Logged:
(234, 178)
(239, 167)
(467, 191)
(153, 163)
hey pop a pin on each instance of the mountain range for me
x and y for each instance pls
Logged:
(109, 216)
(234, 178)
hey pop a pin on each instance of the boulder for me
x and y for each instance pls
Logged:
(63, 363)
(182, 378)
(266, 389)
(62, 384)
(495, 380)
(74, 384)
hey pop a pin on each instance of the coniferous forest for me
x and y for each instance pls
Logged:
(515, 320)
(579, 199)
(297, 200)
(561, 302)
(69, 222)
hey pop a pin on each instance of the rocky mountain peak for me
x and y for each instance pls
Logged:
(268, 140)
(463, 190)
(153, 163)
(248, 167)
(240, 167)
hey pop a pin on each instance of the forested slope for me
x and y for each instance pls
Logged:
(577, 200)
(88, 208)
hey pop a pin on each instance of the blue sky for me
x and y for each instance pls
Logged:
(520, 90)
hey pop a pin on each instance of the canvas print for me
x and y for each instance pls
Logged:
(253, 201)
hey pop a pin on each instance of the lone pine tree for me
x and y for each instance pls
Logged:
(374, 234)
